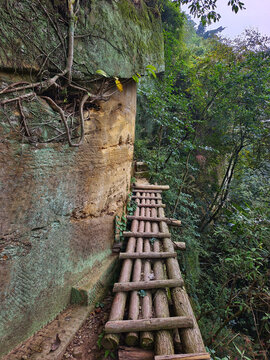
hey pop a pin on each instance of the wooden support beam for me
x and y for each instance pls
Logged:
(147, 191)
(168, 221)
(191, 338)
(137, 187)
(131, 353)
(178, 245)
(147, 337)
(117, 327)
(163, 338)
(152, 205)
(194, 356)
(146, 235)
(134, 301)
(111, 341)
(147, 255)
(146, 285)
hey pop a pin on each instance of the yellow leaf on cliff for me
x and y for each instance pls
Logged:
(118, 84)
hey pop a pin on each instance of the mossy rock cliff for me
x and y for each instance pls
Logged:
(120, 37)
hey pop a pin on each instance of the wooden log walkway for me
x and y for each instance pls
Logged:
(158, 313)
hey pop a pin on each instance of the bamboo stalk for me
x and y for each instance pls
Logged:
(169, 221)
(146, 285)
(111, 341)
(191, 338)
(134, 303)
(147, 255)
(145, 234)
(198, 356)
(147, 337)
(150, 187)
(168, 323)
(164, 339)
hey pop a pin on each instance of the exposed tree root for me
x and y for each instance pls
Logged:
(61, 81)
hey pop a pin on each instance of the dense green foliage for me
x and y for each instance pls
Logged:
(203, 128)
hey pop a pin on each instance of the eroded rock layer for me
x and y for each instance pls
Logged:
(57, 210)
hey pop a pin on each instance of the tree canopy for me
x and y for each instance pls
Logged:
(203, 128)
(206, 9)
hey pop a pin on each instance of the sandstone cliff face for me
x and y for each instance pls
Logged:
(57, 203)
(57, 213)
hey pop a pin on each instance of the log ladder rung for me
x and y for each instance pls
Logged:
(194, 356)
(152, 205)
(147, 191)
(150, 187)
(147, 255)
(146, 235)
(145, 197)
(147, 285)
(176, 322)
(169, 221)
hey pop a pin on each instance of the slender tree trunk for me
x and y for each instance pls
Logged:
(222, 194)
(182, 184)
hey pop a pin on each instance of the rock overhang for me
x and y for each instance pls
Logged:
(121, 37)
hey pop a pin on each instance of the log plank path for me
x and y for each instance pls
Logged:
(151, 308)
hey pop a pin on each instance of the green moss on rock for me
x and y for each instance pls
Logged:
(115, 36)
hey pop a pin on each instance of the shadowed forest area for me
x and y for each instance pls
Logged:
(203, 128)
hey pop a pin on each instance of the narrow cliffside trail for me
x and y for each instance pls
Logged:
(150, 317)
(151, 306)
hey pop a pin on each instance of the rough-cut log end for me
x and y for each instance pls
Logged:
(132, 339)
(147, 340)
(178, 245)
(174, 222)
(110, 341)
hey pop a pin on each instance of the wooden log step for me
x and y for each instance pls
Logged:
(131, 353)
(146, 285)
(120, 326)
(195, 356)
(146, 235)
(178, 245)
(147, 255)
(147, 191)
(152, 205)
(150, 187)
(168, 221)
(145, 197)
